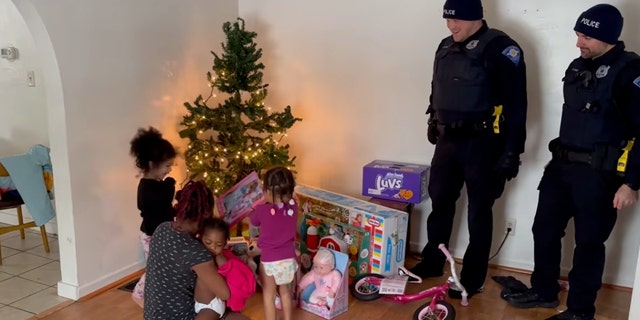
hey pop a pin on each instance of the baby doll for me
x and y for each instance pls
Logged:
(325, 277)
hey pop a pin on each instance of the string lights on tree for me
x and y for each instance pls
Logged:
(241, 134)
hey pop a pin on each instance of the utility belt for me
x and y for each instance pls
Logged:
(461, 128)
(603, 157)
(490, 124)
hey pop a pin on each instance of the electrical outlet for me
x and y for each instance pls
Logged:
(510, 224)
(31, 79)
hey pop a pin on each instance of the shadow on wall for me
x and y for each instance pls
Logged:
(519, 32)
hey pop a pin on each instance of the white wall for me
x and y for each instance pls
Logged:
(358, 74)
(23, 109)
(113, 68)
(359, 77)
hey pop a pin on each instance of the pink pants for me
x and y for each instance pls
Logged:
(138, 291)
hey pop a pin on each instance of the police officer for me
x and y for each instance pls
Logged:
(594, 170)
(477, 118)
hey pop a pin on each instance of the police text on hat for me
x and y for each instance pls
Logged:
(468, 10)
(602, 22)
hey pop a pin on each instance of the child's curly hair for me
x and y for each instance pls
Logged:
(195, 203)
(149, 146)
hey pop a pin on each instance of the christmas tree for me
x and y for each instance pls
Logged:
(239, 135)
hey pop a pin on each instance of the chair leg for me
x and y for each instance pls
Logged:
(45, 240)
(20, 221)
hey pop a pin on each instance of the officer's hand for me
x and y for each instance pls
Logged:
(432, 131)
(624, 197)
(508, 165)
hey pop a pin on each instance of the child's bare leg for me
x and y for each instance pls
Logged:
(207, 314)
(287, 300)
(203, 295)
(268, 294)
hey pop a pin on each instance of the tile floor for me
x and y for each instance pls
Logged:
(28, 275)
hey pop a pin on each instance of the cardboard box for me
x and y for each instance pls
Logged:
(315, 231)
(386, 227)
(395, 181)
(333, 306)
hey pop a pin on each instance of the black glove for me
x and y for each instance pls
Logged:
(170, 180)
(432, 131)
(508, 165)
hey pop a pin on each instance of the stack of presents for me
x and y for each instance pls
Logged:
(364, 237)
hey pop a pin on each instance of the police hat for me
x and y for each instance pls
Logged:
(602, 22)
(468, 10)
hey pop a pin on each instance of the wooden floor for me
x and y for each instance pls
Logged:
(612, 304)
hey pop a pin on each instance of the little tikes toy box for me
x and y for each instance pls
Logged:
(386, 228)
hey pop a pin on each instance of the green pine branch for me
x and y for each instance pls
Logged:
(239, 135)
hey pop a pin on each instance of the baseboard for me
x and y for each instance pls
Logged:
(67, 290)
(524, 268)
(114, 277)
(114, 284)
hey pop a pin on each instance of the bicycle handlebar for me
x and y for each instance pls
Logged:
(454, 275)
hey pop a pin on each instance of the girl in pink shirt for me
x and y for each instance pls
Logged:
(277, 221)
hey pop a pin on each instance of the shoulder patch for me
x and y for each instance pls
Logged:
(637, 82)
(512, 53)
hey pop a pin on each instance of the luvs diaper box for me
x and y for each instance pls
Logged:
(397, 181)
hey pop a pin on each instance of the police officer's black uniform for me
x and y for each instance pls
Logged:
(470, 80)
(601, 114)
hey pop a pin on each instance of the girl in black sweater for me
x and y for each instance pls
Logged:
(154, 157)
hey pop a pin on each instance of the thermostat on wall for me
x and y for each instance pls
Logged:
(9, 53)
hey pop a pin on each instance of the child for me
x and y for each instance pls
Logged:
(239, 277)
(325, 277)
(154, 157)
(277, 221)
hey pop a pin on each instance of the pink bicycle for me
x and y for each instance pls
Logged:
(366, 287)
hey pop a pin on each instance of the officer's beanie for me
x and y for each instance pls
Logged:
(602, 22)
(468, 10)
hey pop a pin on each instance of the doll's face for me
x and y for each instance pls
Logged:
(322, 269)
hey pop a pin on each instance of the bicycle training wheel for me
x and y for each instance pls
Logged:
(444, 311)
(363, 290)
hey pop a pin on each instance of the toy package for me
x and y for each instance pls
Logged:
(323, 289)
(235, 204)
(318, 231)
(378, 233)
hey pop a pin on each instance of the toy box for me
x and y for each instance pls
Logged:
(317, 231)
(395, 181)
(386, 228)
(313, 300)
(235, 204)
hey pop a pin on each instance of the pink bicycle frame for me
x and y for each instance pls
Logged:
(438, 292)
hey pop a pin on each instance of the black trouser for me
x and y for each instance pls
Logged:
(573, 190)
(464, 159)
